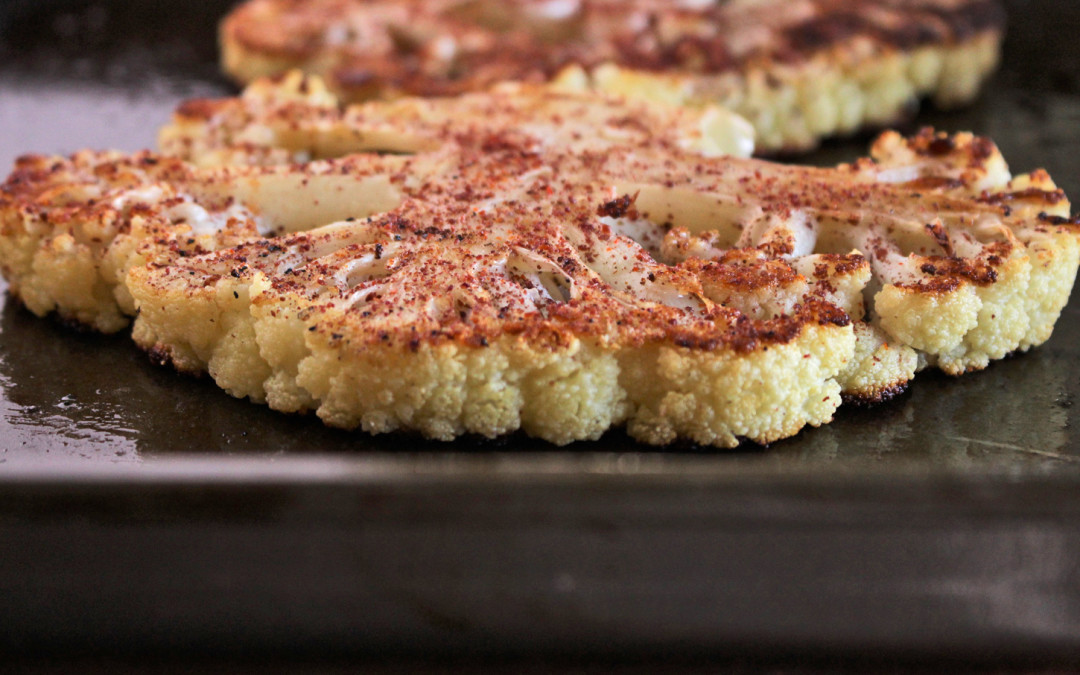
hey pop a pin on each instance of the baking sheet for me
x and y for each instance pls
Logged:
(144, 510)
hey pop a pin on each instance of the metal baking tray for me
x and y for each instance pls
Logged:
(145, 512)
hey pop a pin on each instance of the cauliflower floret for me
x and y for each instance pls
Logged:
(928, 321)
(879, 368)
(716, 398)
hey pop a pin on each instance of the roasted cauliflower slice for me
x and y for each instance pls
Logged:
(512, 270)
(799, 70)
(295, 118)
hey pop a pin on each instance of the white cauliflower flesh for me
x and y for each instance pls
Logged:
(516, 271)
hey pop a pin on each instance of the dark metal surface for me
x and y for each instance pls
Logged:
(143, 511)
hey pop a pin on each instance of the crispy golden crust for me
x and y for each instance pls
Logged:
(553, 262)
(847, 63)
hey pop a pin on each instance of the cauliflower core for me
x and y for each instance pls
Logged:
(546, 261)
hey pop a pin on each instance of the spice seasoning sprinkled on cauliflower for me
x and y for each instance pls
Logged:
(798, 70)
(528, 259)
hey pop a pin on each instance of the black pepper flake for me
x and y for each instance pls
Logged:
(618, 207)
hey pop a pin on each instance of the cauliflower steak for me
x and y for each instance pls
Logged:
(799, 70)
(554, 262)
